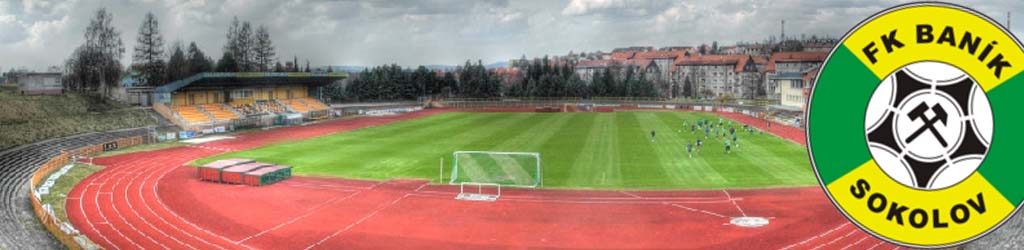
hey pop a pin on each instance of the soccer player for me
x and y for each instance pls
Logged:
(689, 149)
(728, 147)
(735, 141)
(700, 145)
(652, 135)
(707, 131)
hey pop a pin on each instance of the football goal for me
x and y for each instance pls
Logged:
(514, 169)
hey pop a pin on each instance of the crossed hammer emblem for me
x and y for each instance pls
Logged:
(929, 122)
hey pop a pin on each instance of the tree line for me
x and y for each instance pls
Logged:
(541, 78)
(392, 82)
(95, 65)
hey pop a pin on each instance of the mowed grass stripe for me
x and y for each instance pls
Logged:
(340, 153)
(739, 161)
(598, 132)
(530, 141)
(483, 138)
(348, 142)
(578, 150)
(396, 153)
(669, 148)
(698, 173)
(643, 163)
(533, 136)
(341, 142)
(761, 156)
(769, 152)
(562, 147)
(498, 128)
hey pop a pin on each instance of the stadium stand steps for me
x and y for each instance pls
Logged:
(21, 228)
(192, 114)
(217, 111)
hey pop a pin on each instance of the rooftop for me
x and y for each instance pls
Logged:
(240, 79)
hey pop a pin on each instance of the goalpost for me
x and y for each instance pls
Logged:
(479, 171)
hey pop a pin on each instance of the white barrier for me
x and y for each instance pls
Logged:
(389, 111)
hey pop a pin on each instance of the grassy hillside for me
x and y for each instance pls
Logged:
(578, 150)
(27, 119)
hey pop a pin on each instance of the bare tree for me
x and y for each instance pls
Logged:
(96, 64)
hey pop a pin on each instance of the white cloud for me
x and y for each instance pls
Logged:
(510, 17)
(42, 32)
(39, 33)
(583, 7)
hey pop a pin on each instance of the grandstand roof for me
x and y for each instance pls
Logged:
(243, 79)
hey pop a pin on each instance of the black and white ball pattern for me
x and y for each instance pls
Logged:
(928, 125)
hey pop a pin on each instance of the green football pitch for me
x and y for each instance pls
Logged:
(578, 150)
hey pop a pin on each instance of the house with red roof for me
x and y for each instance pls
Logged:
(586, 69)
(738, 76)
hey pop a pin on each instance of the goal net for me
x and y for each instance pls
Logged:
(515, 169)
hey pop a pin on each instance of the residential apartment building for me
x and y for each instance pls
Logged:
(721, 75)
(588, 68)
(794, 88)
(784, 65)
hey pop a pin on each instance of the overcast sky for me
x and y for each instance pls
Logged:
(39, 33)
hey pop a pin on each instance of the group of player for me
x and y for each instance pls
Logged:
(724, 130)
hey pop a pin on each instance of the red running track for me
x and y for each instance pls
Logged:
(150, 200)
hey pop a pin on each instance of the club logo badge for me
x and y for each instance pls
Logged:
(911, 125)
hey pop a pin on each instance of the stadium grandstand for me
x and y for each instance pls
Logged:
(248, 99)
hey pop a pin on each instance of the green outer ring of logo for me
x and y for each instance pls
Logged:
(807, 115)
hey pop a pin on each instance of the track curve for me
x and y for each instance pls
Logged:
(21, 229)
(150, 200)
